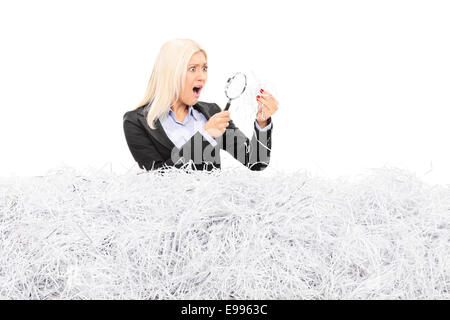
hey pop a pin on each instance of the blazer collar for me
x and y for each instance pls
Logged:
(159, 133)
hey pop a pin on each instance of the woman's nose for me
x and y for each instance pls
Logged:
(201, 79)
(202, 76)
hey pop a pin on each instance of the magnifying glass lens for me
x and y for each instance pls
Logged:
(236, 86)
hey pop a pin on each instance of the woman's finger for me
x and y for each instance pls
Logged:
(264, 112)
(269, 103)
(264, 92)
(270, 98)
(224, 117)
(267, 94)
(264, 107)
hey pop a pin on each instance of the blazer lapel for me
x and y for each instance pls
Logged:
(159, 133)
(199, 106)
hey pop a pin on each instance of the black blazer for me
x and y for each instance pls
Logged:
(153, 149)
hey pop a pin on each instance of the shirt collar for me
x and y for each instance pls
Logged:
(191, 112)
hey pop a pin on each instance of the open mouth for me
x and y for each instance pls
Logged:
(197, 90)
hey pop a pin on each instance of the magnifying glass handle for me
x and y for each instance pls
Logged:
(228, 105)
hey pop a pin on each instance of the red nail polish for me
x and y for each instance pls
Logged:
(257, 97)
(261, 90)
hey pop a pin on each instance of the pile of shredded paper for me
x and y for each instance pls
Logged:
(230, 234)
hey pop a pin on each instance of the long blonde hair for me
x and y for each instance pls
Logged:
(167, 79)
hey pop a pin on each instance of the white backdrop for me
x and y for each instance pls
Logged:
(361, 84)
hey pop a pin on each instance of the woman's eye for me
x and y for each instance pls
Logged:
(191, 68)
(205, 68)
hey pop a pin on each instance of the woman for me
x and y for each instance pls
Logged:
(172, 128)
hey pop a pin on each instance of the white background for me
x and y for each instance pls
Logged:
(361, 84)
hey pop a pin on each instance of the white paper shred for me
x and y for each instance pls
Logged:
(235, 234)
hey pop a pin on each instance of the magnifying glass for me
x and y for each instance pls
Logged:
(235, 86)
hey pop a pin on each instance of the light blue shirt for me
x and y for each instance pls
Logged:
(181, 132)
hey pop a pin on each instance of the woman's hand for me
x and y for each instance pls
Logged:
(217, 124)
(268, 105)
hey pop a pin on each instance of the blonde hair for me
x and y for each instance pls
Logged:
(167, 79)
